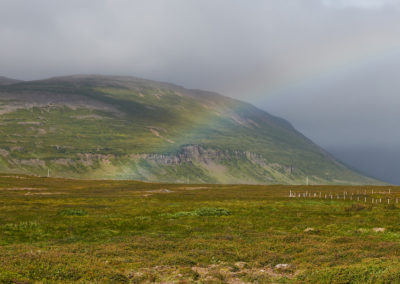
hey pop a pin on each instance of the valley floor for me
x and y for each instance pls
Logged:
(63, 231)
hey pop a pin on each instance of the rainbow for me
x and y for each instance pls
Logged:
(338, 61)
(341, 61)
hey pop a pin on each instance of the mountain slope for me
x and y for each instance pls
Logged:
(7, 81)
(130, 128)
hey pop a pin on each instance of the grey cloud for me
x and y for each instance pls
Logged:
(329, 66)
(363, 4)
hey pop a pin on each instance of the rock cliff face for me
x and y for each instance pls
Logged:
(196, 153)
(128, 128)
(210, 165)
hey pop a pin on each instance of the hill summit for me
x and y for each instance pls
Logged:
(109, 127)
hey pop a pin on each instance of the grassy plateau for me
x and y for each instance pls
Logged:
(81, 231)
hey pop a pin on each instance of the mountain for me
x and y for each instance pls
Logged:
(7, 81)
(109, 127)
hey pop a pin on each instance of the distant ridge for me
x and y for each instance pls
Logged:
(7, 81)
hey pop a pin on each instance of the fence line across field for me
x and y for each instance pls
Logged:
(348, 196)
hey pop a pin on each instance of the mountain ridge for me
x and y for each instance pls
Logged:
(96, 126)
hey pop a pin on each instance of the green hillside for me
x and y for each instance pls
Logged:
(101, 127)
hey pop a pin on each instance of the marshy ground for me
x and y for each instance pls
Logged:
(58, 230)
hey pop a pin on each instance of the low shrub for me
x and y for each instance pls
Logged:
(355, 207)
(211, 211)
(72, 212)
(204, 211)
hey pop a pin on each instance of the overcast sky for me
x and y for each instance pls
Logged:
(331, 67)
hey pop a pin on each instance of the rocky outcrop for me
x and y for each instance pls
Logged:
(197, 153)
(209, 165)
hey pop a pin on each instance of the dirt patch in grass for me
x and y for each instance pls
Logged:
(238, 274)
(44, 193)
(23, 189)
(161, 190)
(193, 188)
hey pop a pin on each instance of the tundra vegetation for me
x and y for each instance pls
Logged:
(62, 231)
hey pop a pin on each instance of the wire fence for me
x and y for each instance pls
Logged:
(374, 197)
